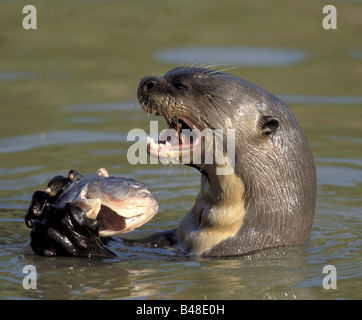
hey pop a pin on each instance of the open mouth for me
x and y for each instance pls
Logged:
(183, 135)
(111, 223)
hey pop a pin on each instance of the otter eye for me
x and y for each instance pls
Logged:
(178, 84)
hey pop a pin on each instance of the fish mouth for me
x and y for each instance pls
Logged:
(179, 140)
(116, 215)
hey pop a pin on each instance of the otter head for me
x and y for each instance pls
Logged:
(173, 97)
(258, 174)
(200, 112)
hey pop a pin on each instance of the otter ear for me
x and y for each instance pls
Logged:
(268, 124)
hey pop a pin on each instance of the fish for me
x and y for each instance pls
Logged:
(108, 205)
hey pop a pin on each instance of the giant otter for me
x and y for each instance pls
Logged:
(269, 198)
(266, 196)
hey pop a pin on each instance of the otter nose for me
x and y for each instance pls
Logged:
(147, 83)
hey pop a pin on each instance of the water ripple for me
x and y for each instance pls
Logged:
(232, 55)
(27, 142)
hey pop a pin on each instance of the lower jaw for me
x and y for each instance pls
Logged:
(170, 151)
(181, 155)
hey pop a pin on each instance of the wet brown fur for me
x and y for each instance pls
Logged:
(269, 199)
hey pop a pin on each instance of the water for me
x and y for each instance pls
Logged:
(232, 55)
(68, 102)
(157, 273)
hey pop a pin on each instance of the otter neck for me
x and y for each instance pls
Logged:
(217, 214)
(222, 190)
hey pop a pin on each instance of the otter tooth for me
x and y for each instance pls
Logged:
(183, 139)
(153, 145)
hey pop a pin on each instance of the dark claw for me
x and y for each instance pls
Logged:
(56, 186)
(80, 220)
(39, 241)
(83, 232)
(73, 175)
(64, 228)
(65, 231)
(36, 207)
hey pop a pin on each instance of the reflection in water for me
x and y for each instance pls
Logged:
(25, 182)
(355, 53)
(26, 142)
(37, 75)
(16, 75)
(320, 99)
(339, 176)
(155, 273)
(232, 55)
(103, 107)
(86, 120)
(294, 273)
(149, 273)
(6, 171)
